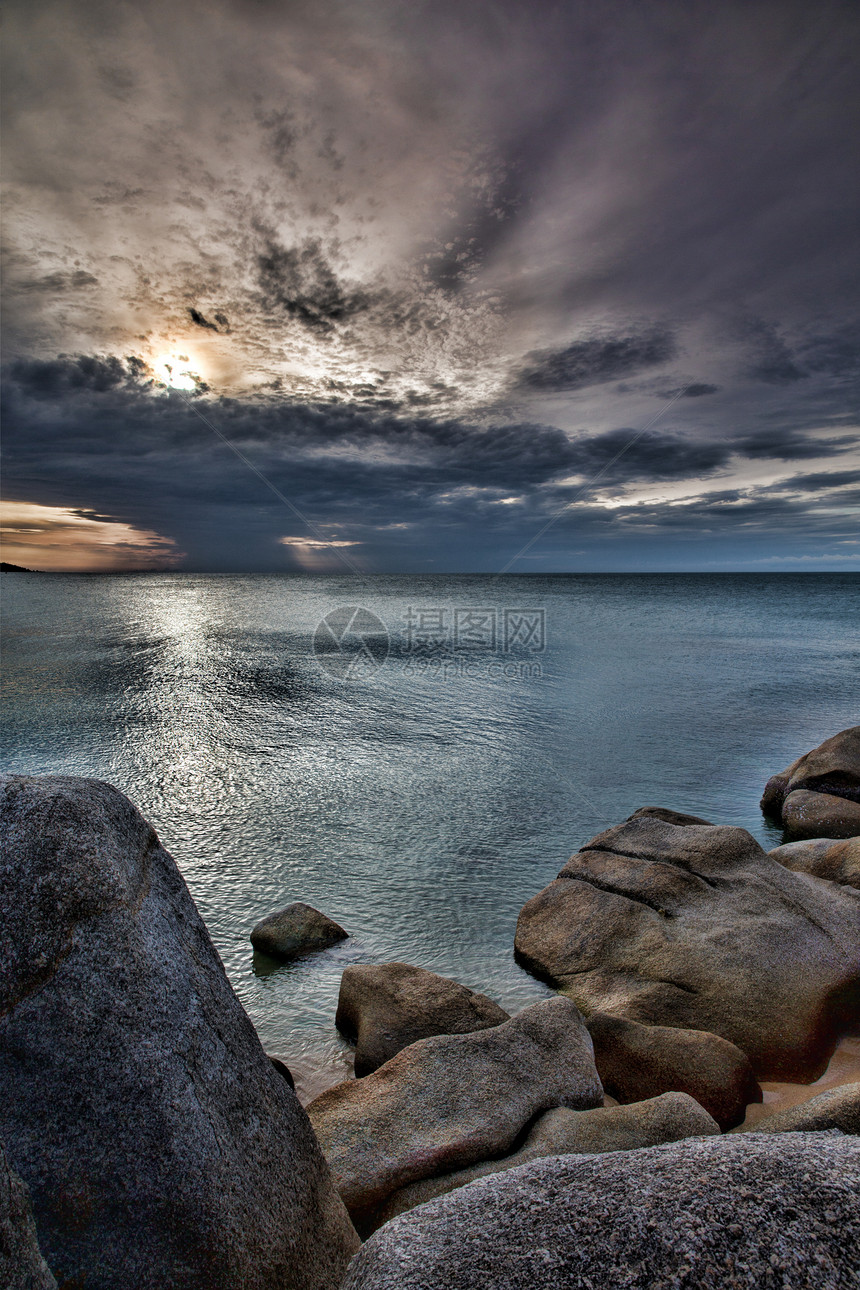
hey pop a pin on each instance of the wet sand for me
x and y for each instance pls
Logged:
(844, 1068)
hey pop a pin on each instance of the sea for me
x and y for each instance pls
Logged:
(414, 756)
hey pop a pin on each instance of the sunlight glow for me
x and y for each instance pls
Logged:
(173, 370)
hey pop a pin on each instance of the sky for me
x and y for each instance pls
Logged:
(425, 286)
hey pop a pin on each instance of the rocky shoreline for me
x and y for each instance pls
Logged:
(610, 1135)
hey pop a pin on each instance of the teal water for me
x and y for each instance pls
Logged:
(419, 800)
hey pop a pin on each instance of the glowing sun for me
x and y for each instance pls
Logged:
(173, 370)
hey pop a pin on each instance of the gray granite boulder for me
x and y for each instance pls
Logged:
(695, 926)
(297, 930)
(822, 857)
(635, 1062)
(831, 770)
(735, 1212)
(383, 1008)
(160, 1145)
(451, 1100)
(21, 1264)
(837, 1108)
(667, 1118)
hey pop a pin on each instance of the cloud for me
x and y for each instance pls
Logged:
(301, 281)
(696, 390)
(427, 226)
(597, 360)
(58, 538)
(201, 321)
(769, 357)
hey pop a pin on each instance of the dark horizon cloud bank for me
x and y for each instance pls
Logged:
(439, 273)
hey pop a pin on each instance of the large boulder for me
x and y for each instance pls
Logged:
(822, 857)
(635, 1062)
(295, 931)
(384, 1008)
(667, 1118)
(21, 1264)
(160, 1145)
(836, 1108)
(695, 926)
(750, 1212)
(451, 1100)
(831, 770)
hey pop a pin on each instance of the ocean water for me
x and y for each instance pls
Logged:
(414, 756)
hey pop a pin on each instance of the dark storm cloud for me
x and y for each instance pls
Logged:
(770, 358)
(790, 445)
(355, 472)
(819, 481)
(597, 360)
(696, 390)
(837, 353)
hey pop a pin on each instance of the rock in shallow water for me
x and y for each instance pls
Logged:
(694, 926)
(636, 1062)
(667, 1118)
(451, 1100)
(831, 770)
(386, 1007)
(739, 1212)
(160, 1145)
(299, 929)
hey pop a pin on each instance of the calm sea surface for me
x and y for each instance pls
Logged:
(419, 800)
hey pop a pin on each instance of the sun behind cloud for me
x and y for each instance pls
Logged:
(63, 540)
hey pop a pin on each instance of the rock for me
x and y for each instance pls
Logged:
(756, 1212)
(561, 1132)
(283, 1069)
(385, 1008)
(837, 1108)
(21, 1264)
(451, 1100)
(159, 1144)
(299, 929)
(813, 815)
(635, 1062)
(832, 770)
(694, 926)
(822, 857)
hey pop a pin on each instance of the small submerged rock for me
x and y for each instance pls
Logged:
(636, 1062)
(299, 929)
(386, 1007)
(560, 1132)
(451, 1100)
(823, 858)
(819, 794)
